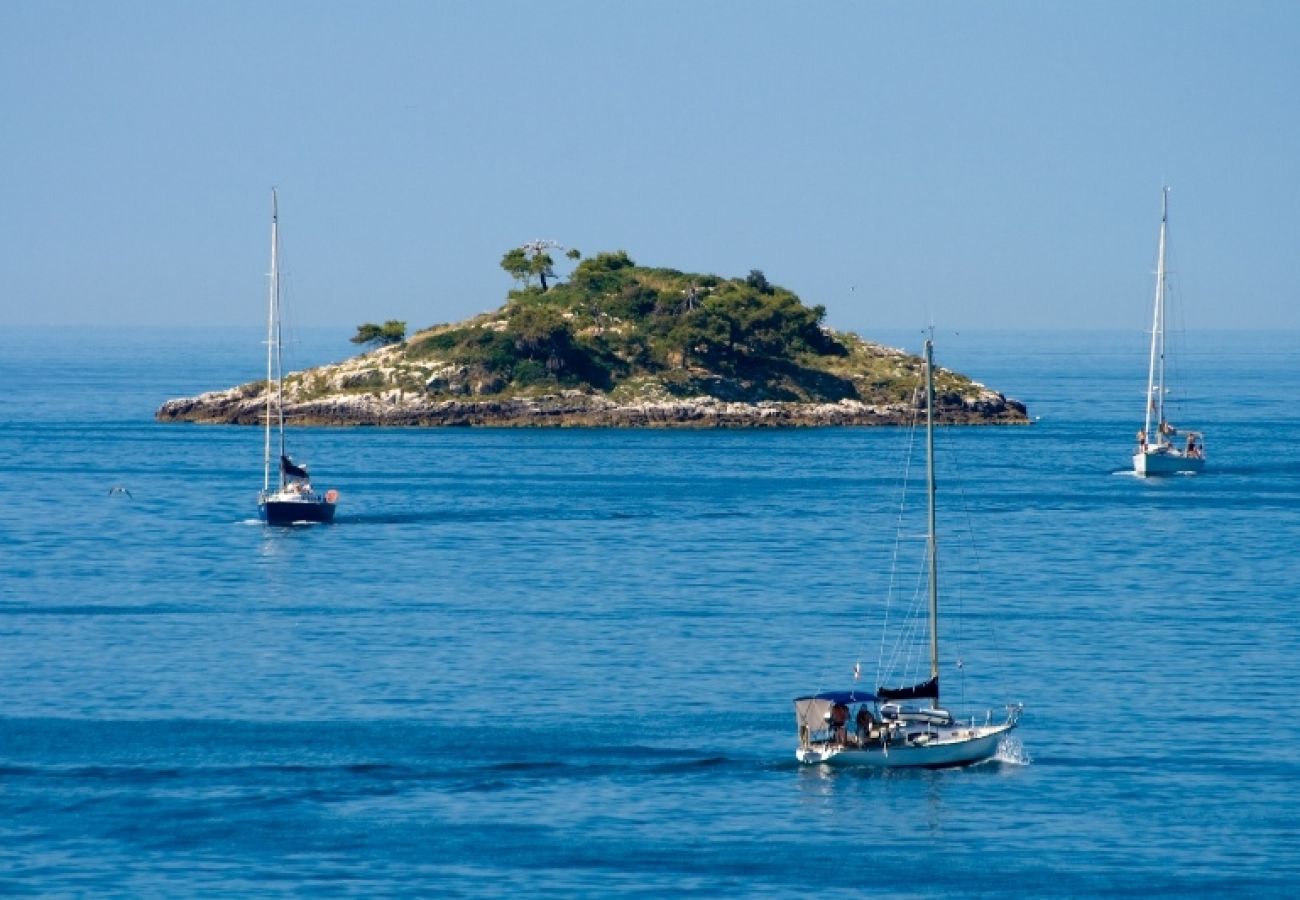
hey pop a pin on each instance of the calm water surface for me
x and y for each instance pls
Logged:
(562, 661)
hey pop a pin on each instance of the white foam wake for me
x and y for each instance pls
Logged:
(1012, 752)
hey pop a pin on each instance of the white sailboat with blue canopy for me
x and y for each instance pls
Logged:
(906, 726)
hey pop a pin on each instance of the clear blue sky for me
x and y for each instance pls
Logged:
(980, 164)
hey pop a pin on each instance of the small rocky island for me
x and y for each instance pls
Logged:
(616, 345)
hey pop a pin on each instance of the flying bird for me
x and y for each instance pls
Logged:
(118, 489)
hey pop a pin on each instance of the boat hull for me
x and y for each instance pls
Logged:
(295, 512)
(1171, 462)
(959, 746)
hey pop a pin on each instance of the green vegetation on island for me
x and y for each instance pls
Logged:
(613, 325)
(391, 332)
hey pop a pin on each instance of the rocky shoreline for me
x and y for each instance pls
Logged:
(247, 406)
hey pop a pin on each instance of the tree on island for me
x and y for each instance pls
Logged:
(542, 265)
(541, 334)
(391, 332)
(758, 281)
(531, 259)
(516, 264)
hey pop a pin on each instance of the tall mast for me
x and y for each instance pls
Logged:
(270, 349)
(933, 533)
(1156, 370)
(279, 343)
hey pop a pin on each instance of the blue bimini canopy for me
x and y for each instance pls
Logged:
(845, 697)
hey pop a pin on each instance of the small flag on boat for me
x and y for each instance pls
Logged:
(857, 671)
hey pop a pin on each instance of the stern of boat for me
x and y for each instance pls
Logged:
(284, 508)
(1166, 463)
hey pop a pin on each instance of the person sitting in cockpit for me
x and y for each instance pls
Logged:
(839, 723)
(865, 722)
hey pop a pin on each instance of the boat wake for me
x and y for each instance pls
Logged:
(1011, 751)
(1146, 479)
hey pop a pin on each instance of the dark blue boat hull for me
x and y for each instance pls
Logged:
(279, 512)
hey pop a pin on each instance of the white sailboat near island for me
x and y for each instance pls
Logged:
(1163, 451)
(890, 728)
(291, 499)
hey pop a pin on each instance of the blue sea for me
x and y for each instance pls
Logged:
(561, 663)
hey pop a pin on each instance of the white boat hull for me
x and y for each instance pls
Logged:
(1168, 462)
(949, 746)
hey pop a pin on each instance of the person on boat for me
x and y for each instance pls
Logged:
(865, 722)
(1142, 440)
(1163, 430)
(839, 723)
(1193, 449)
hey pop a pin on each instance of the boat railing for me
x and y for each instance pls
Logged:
(929, 715)
(293, 496)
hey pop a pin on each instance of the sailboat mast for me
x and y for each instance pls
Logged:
(932, 531)
(1160, 299)
(1156, 369)
(270, 352)
(279, 342)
